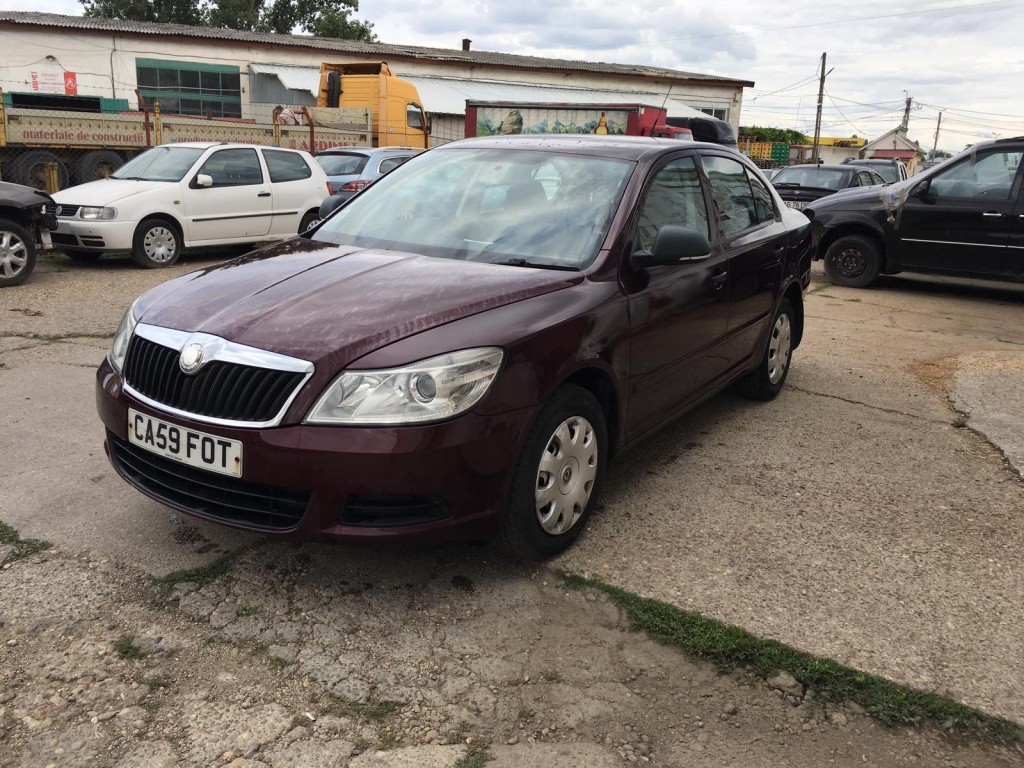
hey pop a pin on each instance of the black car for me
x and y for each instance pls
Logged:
(964, 217)
(24, 227)
(799, 185)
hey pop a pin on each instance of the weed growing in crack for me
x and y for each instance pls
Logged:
(729, 647)
(126, 649)
(477, 755)
(22, 547)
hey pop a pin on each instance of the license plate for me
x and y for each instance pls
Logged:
(188, 446)
(795, 205)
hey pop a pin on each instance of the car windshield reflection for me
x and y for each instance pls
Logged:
(159, 164)
(498, 206)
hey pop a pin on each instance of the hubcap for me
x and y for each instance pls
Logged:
(850, 262)
(160, 244)
(13, 254)
(566, 475)
(779, 347)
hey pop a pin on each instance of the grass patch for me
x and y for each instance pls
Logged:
(552, 677)
(729, 647)
(525, 713)
(22, 547)
(245, 610)
(201, 576)
(475, 757)
(153, 681)
(387, 739)
(960, 422)
(821, 287)
(374, 710)
(126, 649)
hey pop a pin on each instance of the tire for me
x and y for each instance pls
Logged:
(28, 169)
(17, 253)
(567, 448)
(852, 261)
(98, 164)
(157, 244)
(766, 381)
(82, 257)
(312, 218)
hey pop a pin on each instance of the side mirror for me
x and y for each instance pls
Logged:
(204, 180)
(673, 245)
(923, 191)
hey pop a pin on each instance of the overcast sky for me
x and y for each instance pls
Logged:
(961, 56)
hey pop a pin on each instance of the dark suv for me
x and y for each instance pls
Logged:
(24, 227)
(964, 217)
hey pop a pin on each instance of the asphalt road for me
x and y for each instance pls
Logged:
(856, 516)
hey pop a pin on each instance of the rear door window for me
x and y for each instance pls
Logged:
(730, 185)
(286, 166)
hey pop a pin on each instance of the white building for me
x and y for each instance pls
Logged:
(222, 72)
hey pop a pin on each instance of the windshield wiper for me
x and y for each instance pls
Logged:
(527, 263)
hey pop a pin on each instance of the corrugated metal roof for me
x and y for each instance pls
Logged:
(448, 95)
(355, 47)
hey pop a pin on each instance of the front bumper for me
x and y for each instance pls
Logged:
(94, 235)
(454, 475)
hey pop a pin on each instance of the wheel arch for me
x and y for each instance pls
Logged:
(17, 215)
(601, 385)
(795, 295)
(169, 219)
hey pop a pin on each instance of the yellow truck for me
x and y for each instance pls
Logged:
(373, 108)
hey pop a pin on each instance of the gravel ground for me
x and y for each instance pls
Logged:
(849, 517)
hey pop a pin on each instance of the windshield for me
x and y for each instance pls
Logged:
(798, 176)
(502, 206)
(342, 165)
(160, 164)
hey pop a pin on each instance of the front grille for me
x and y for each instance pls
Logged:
(208, 494)
(219, 390)
(66, 211)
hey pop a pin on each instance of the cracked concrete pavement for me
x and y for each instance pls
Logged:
(853, 517)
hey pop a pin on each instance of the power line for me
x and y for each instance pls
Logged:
(904, 14)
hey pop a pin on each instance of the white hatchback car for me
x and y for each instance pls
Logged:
(186, 195)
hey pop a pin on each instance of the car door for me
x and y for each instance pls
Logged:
(754, 241)
(238, 204)
(1015, 243)
(293, 189)
(679, 313)
(960, 218)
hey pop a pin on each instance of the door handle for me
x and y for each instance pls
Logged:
(993, 215)
(718, 278)
(780, 250)
(263, 194)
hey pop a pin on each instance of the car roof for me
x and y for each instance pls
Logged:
(366, 150)
(872, 161)
(622, 147)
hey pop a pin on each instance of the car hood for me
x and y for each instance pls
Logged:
(331, 304)
(865, 198)
(106, 191)
(19, 195)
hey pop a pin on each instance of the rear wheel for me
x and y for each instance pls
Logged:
(17, 253)
(765, 381)
(98, 164)
(157, 244)
(29, 169)
(852, 261)
(558, 476)
(311, 219)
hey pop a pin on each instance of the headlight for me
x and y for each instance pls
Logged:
(429, 390)
(104, 214)
(119, 349)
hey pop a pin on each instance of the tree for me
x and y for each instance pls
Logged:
(781, 135)
(321, 18)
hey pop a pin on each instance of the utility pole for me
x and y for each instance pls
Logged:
(935, 146)
(906, 114)
(817, 119)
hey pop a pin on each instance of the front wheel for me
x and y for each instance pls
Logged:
(765, 381)
(852, 262)
(17, 253)
(310, 220)
(157, 243)
(557, 477)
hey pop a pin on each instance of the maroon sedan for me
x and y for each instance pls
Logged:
(459, 350)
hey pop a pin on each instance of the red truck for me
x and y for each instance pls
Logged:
(499, 118)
